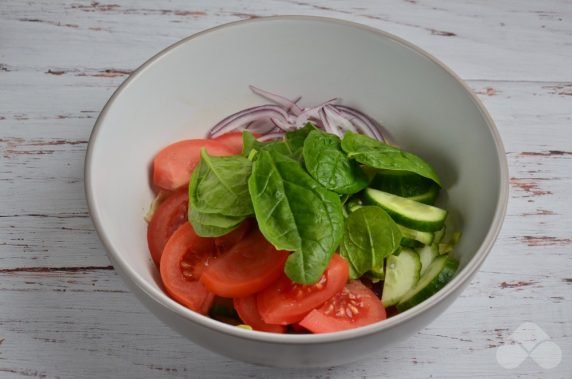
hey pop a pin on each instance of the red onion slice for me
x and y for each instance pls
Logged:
(312, 113)
(282, 124)
(242, 118)
(273, 120)
(271, 137)
(337, 119)
(260, 127)
(288, 105)
(365, 124)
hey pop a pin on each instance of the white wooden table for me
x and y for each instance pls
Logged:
(64, 312)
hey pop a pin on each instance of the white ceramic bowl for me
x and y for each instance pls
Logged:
(189, 86)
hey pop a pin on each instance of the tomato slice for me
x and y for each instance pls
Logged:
(182, 264)
(224, 243)
(248, 313)
(248, 267)
(354, 306)
(173, 166)
(171, 214)
(286, 302)
(232, 140)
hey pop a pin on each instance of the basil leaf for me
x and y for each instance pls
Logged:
(249, 143)
(370, 235)
(280, 147)
(295, 140)
(376, 154)
(207, 230)
(294, 212)
(214, 219)
(329, 165)
(219, 185)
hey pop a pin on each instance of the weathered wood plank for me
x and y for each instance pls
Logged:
(87, 316)
(508, 40)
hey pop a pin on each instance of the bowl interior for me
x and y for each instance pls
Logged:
(188, 88)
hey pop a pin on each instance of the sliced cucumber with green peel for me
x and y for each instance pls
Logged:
(426, 238)
(446, 248)
(439, 234)
(406, 184)
(410, 243)
(427, 255)
(428, 197)
(401, 274)
(409, 213)
(437, 275)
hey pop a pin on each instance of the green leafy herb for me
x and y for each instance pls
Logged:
(329, 165)
(219, 185)
(376, 154)
(214, 219)
(249, 143)
(295, 140)
(208, 230)
(370, 235)
(296, 213)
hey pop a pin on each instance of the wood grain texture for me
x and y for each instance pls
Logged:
(64, 313)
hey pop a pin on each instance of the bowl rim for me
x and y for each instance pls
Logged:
(158, 296)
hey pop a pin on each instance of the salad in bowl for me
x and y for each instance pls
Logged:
(290, 219)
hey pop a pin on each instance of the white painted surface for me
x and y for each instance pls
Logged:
(65, 313)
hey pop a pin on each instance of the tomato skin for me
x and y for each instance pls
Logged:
(248, 313)
(171, 214)
(226, 242)
(286, 302)
(354, 306)
(232, 140)
(182, 264)
(248, 267)
(173, 166)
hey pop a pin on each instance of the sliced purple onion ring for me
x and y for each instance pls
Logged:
(365, 124)
(288, 105)
(260, 127)
(271, 137)
(244, 117)
(271, 121)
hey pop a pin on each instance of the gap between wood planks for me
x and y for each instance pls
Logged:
(55, 269)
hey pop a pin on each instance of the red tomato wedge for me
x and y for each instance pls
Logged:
(232, 140)
(171, 214)
(286, 302)
(224, 243)
(248, 312)
(173, 166)
(182, 264)
(354, 306)
(248, 267)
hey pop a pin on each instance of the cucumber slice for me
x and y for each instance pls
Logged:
(401, 274)
(410, 243)
(406, 184)
(427, 255)
(426, 238)
(428, 197)
(439, 234)
(409, 213)
(437, 275)
(446, 248)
